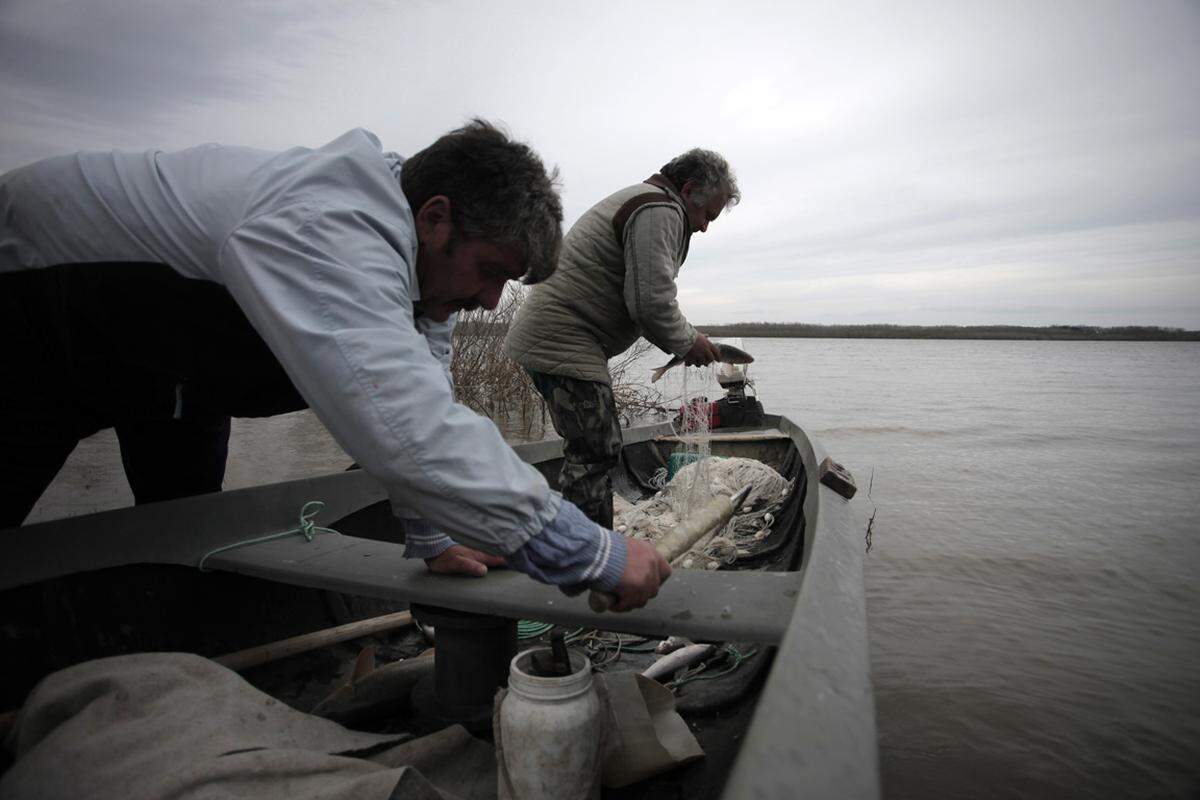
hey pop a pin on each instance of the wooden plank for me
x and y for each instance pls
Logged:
(305, 642)
(764, 436)
(174, 531)
(701, 604)
(181, 531)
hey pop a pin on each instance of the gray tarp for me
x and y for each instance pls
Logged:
(175, 725)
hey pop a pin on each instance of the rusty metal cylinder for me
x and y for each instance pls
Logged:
(471, 662)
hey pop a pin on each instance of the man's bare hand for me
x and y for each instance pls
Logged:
(645, 572)
(703, 352)
(459, 560)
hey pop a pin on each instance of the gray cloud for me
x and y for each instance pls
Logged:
(78, 70)
(918, 162)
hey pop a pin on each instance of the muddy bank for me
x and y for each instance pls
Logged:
(260, 451)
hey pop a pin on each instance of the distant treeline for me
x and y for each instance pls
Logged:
(798, 330)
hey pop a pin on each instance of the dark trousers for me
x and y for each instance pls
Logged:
(164, 360)
(585, 416)
(163, 460)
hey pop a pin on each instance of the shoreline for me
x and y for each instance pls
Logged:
(1069, 333)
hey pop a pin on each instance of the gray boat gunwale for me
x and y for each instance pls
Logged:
(813, 730)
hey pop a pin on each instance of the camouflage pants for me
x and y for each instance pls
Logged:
(585, 416)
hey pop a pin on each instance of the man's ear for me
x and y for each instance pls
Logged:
(434, 213)
(686, 190)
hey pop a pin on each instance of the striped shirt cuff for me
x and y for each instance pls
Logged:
(422, 540)
(573, 553)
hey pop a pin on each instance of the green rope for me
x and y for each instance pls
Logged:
(531, 628)
(307, 528)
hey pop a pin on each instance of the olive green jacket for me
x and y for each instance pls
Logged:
(613, 284)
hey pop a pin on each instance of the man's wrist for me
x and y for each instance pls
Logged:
(574, 553)
(614, 565)
(687, 341)
(422, 540)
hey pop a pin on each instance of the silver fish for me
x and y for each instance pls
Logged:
(668, 665)
(729, 355)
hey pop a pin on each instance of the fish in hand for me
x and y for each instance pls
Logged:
(729, 355)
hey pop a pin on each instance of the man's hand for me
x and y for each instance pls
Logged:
(459, 560)
(645, 571)
(703, 352)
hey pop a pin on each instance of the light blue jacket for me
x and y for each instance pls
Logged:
(317, 247)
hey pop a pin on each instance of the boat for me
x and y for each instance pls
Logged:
(797, 719)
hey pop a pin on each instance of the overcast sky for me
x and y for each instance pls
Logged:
(928, 163)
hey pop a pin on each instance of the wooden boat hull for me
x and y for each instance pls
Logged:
(812, 729)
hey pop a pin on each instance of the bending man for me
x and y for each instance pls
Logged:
(162, 293)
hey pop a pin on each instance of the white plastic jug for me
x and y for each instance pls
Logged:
(549, 729)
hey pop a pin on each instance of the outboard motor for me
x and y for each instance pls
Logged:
(736, 409)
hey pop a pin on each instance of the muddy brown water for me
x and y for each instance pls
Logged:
(1032, 596)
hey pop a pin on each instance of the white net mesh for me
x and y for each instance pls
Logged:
(701, 478)
(695, 432)
(742, 537)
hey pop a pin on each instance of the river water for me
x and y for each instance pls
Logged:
(1032, 591)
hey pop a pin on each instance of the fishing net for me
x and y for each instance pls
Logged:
(652, 518)
(701, 478)
(694, 428)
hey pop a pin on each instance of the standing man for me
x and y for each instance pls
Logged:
(162, 293)
(615, 282)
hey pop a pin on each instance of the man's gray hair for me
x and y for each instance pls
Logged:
(499, 190)
(709, 170)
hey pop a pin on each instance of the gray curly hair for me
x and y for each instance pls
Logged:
(707, 168)
(499, 191)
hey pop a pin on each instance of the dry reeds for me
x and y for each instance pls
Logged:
(487, 380)
(635, 398)
(491, 383)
